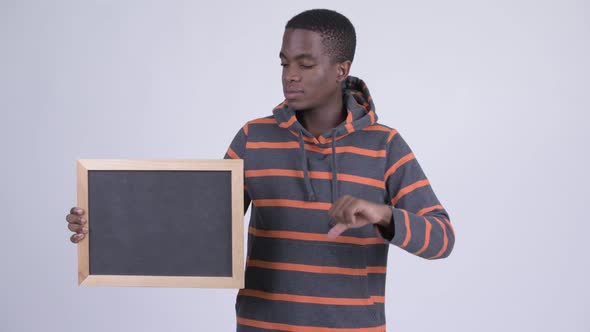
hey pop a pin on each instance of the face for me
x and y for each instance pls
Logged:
(310, 78)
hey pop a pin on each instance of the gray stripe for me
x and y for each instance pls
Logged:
(372, 140)
(305, 283)
(417, 199)
(377, 284)
(335, 316)
(309, 252)
(274, 187)
(348, 163)
(303, 221)
(273, 158)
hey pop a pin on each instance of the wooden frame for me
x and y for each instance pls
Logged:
(236, 167)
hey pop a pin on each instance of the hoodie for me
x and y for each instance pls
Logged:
(296, 279)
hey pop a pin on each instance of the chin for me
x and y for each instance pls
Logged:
(301, 105)
(297, 105)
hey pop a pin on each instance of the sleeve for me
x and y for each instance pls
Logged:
(421, 225)
(236, 150)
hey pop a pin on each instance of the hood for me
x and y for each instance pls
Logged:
(360, 114)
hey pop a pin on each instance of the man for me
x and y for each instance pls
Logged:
(329, 188)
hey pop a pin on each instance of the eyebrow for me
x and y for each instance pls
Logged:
(299, 56)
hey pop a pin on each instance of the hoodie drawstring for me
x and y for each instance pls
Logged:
(334, 170)
(308, 187)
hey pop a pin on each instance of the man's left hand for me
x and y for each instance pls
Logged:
(351, 212)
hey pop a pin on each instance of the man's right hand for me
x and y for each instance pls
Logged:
(77, 224)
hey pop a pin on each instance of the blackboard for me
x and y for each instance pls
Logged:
(163, 223)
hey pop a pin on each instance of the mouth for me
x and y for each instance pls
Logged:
(293, 94)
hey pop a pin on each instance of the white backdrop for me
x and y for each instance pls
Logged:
(492, 96)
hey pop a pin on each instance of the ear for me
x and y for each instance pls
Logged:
(342, 70)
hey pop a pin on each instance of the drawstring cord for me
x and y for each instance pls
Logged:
(308, 187)
(306, 178)
(334, 170)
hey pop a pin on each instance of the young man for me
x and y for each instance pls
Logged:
(321, 159)
(330, 188)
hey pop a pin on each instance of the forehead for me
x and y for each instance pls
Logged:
(299, 41)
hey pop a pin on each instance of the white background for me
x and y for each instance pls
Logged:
(492, 96)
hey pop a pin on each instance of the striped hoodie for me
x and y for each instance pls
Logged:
(296, 278)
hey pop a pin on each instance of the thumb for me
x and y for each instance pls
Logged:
(337, 230)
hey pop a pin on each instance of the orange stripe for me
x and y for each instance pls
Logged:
(324, 140)
(360, 179)
(348, 125)
(372, 116)
(352, 149)
(315, 175)
(445, 240)
(349, 128)
(307, 268)
(288, 123)
(450, 225)
(408, 230)
(376, 269)
(305, 138)
(295, 145)
(428, 209)
(426, 237)
(232, 154)
(273, 172)
(408, 189)
(272, 145)
(377, 299)
(377, 127)
(292, 203)
(397, 165)
(305, 298)
(302, 328)
(290, 235)
(263, 121)
(245, 128)
(391, 134)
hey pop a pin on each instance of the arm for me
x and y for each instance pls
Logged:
(236, 150)
(419, 224)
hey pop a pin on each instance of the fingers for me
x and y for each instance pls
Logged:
(75, 238)
(75, 219)
(77, 228)
(343, 210)
(77, 211)
(337, 209)
(342, 215)
(76, 223)
(349, 212)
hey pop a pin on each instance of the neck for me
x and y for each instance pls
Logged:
(323, 118)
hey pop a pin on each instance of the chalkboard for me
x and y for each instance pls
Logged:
(161, 223)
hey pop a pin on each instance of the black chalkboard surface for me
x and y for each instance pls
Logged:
(163, 223)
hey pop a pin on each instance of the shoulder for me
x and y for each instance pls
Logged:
(387, 133)
(264, 121)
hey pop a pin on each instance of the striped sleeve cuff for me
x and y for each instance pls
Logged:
(401, 224)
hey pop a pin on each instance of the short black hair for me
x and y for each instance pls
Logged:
(338, 35)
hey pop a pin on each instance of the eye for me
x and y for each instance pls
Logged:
(307, 66)
(284, 65)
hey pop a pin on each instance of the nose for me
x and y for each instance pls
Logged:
(291, 74)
